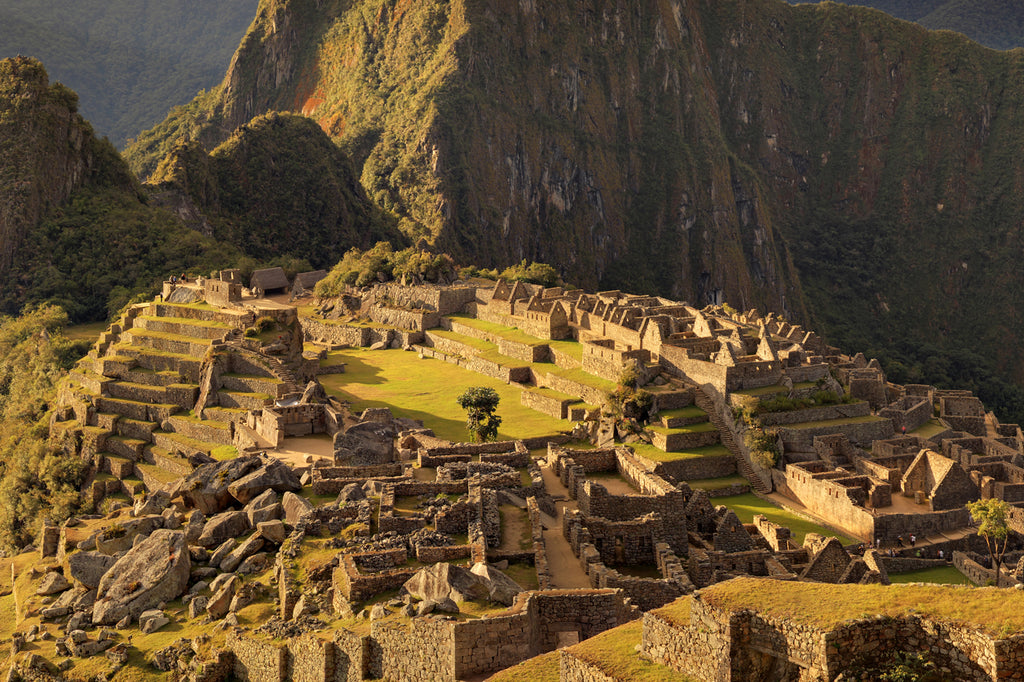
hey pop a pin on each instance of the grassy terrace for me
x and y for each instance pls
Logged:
(656, 455)
(835, 422)
(701, 427)
(682, 412)
(999, 613)
(568, 346)
(195, 322)
(930, 428)
(489, 351)
(748, 506)
(426, 389)
(713, 485)
(614, 653)
(941, 575)
(772, 390)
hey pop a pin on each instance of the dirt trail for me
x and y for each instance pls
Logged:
(565, 569)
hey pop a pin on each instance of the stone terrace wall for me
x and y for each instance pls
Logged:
(701, 650)
(403, 318)
(422, 651)
(812, 414)
(256, 660)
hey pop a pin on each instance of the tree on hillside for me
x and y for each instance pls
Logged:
(990, 515)
(480, 404)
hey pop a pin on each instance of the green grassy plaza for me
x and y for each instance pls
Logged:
(426, 389)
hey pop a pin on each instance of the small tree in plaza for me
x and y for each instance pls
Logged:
(990, 516)
(480, 404)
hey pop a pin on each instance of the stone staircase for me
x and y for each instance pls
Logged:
(729, 441)
(129, 400)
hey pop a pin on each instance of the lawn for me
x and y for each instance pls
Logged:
(715, 484)
(748, 505)
(930, 428)
(942, 575)
(654, 454)
(426, 389)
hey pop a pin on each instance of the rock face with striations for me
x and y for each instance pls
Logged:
(155, 570)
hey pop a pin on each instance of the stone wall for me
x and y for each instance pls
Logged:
(862, 433)
(551, 405)
(813, 414)
(404, 318)
(257, 660)
(422, 651)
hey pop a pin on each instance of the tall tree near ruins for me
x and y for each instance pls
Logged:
(480, 403)
(991, 516)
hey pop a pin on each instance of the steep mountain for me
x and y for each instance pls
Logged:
(817, 157)
(129, 60)
(75, 227)
(276, 187)
(47, 151)
(998, 24)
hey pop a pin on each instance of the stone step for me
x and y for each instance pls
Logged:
(207, 430)
(89, 380)
(160, 361)
(116, 465)
(153, 477)
(104, 420)
(248, 401)
(132, 486)
(235, 415)
(129, 448)
(169, 343)
(251, 384)
(176, 442)
(202, 313)
(148, 377)
(134, 409)
(167, 461)
(134, 428)
(141, 393)
(180, 326)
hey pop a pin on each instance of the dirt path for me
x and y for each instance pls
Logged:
(514, 524)
(565, 569)
(295, 450)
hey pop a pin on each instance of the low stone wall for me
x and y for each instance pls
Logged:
(540, 557)
(546, 404)
(862, 433)
(256, 660)
(574, 669)
(422, 651)
(404, 318)
(432, 555)
(678, 441)
(356, 586)
(589, 394)
(697, 468)
(813, 414)
(592, 461)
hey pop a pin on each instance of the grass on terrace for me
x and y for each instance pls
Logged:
(715, 484)
(930, 428)
(941, 575)
(426, 389)
(86, 332)
(748, 505)
(614, 653)
(654, 454)
(543, 668)
(835, 422)
(570, 347)
(998, 612)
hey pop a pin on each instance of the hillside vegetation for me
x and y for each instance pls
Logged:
(998, 24)
(852, 171)
(130, 60)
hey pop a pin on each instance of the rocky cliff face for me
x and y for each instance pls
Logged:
(821, 160)
(46, 151)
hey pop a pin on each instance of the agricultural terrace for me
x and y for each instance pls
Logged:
(426, 389)
(997, 612)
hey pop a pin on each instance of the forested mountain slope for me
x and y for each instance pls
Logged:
(998, 24)
(129, 60)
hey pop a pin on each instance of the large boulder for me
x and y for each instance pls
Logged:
(264, 507)
(87, 568)
(446, 581)
(500, 587)
(294, 508)
(273, 475)
(252, 545)
(206, 488)
(154, 503)
(154, 571)
(223, 526)
(352, 492)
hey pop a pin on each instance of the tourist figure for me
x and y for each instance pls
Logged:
(941, 555)
(913, 540)
(899, 539)
(904, 429)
